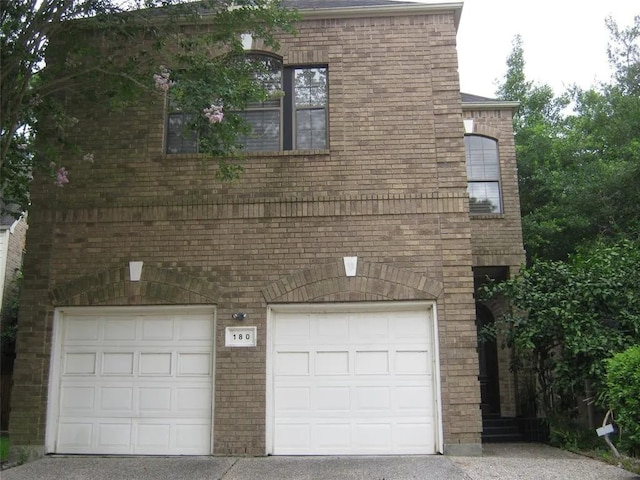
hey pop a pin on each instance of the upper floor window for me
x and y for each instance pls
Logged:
(181, 138)
(265, 118)
(293, 117)
(483, 174)
(309, 107)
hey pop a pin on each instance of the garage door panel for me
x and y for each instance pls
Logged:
(371, 362)
(373, 436)
(151, 394)
(155, 400)
(82, 330)
(116, 400)
(114, 436)
(193, 401)
(412, 362)
(293, 399)
(77, 398)
(191, 436)
(367, 392)
(152, 437)
(292, 363)
(157, 329)
(155, 364)
(194, 329)
(293, 330)
(332, 362)
(331, 331)
(414, 398)
(80, 363)
(373, 398)
(77, 434)
(295, 437)
(411, 436)
(120, 330)
(332, 399)
(194, 364)
(333, 437)
(368, 327)
(117, 363)
(410, 329)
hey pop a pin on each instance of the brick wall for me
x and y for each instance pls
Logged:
(390, 189)
(497, 239)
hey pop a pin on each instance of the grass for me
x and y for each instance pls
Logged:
(627, 463)
(580, 440)
(4, 448)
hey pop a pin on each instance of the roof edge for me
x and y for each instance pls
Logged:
(379, 11)
(497, 105)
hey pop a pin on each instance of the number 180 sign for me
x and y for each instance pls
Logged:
(240, 337)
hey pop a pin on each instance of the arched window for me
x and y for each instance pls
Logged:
(483, 174)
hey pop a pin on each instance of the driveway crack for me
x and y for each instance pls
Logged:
(224, 474)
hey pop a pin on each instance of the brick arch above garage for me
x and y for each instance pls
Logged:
(373, 281)
(159, 286)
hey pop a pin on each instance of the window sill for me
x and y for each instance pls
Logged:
(280, 153)
(487, 216)
(288, 153)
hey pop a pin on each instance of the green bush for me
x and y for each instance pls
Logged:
(4, 448)
(567, 434)
(623, 395)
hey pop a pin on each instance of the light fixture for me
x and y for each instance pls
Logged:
(239, 316)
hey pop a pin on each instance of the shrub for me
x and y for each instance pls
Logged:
(623, 395)
(566, 433)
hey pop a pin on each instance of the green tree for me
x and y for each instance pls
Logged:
(605, 139)
(579, 171)
(57, 53)
(623, 396)
(538, 127)
(567, 318)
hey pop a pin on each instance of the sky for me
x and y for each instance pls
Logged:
(564, 41)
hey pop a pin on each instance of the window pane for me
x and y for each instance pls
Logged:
(266, 130)
(482, 158)
(310, 87)
(484, 197)
(180, 137)
(311, 129)
(310, 102)
(264, 117)
(269, 76)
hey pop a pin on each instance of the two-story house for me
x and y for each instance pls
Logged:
(322, 304)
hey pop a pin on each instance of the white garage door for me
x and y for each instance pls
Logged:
(132, 381)
(352, 381)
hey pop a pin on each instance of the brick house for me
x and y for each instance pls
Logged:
(322, 304)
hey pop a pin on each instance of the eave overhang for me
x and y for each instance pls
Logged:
(497, 105)
(384, 11)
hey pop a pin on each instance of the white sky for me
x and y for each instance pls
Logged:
(564, 41)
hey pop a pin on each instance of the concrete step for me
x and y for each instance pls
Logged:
(501, 429)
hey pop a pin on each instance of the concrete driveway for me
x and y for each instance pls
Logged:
(513, 461)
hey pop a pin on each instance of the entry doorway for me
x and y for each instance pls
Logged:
(488, 358)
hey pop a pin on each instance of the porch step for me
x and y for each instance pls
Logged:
(501, 429)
